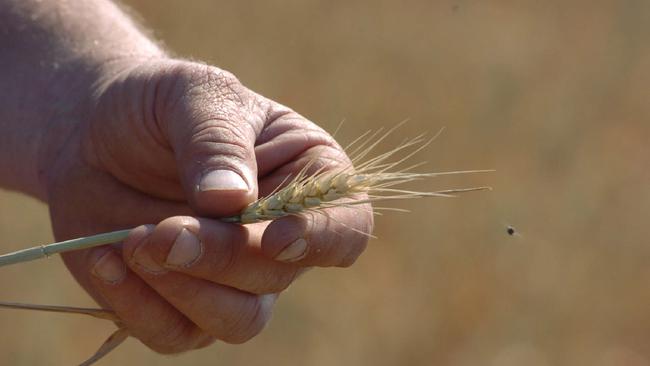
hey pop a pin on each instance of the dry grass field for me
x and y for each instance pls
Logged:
(551, 94)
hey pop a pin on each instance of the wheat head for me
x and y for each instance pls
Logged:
(372, 179)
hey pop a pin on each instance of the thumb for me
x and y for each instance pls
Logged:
(212, 124)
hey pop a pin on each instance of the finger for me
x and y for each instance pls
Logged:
(145, 314)
(228, 314)
(286, 137)
(220, 253)
(316, 159)
(332, 237)
(212, 122)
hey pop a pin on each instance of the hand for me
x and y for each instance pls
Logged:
(175, 140)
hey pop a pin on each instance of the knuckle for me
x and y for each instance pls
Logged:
(328, 254)
(283, 280)
(358, 243)
(276, 281)
(218, 79)
(214, 83)
(208, 92)
(353, 254)
(329, 158)
(178, 336)
(180, 291)
(222, 137)
(205, 341)
(223, 258)
(225, 129)
(193, 77)
(250, 319)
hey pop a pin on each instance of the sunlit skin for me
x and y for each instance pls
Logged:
(112, 133)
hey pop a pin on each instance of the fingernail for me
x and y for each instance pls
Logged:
(110, 268)
(294, 252)
(143, 259)
(222, 180)
(186, 250)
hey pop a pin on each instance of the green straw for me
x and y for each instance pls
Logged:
(43, 251)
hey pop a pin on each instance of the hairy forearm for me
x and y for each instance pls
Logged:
(52, 56)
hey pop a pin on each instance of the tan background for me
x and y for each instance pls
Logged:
(552, 94)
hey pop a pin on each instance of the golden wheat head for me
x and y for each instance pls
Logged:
(374, 179)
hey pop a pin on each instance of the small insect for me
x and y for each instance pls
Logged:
(510, 230)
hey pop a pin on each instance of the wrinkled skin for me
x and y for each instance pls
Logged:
(144, 140)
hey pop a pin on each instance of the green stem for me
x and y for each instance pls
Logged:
(47, 250)
(43, 251)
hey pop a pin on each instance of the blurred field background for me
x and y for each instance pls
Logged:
(551, 94)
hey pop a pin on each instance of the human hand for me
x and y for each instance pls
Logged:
(175, 140)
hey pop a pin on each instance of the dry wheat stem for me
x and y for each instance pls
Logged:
(96, 313)
(115, 339)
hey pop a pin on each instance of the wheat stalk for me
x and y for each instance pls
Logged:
(357, 182)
